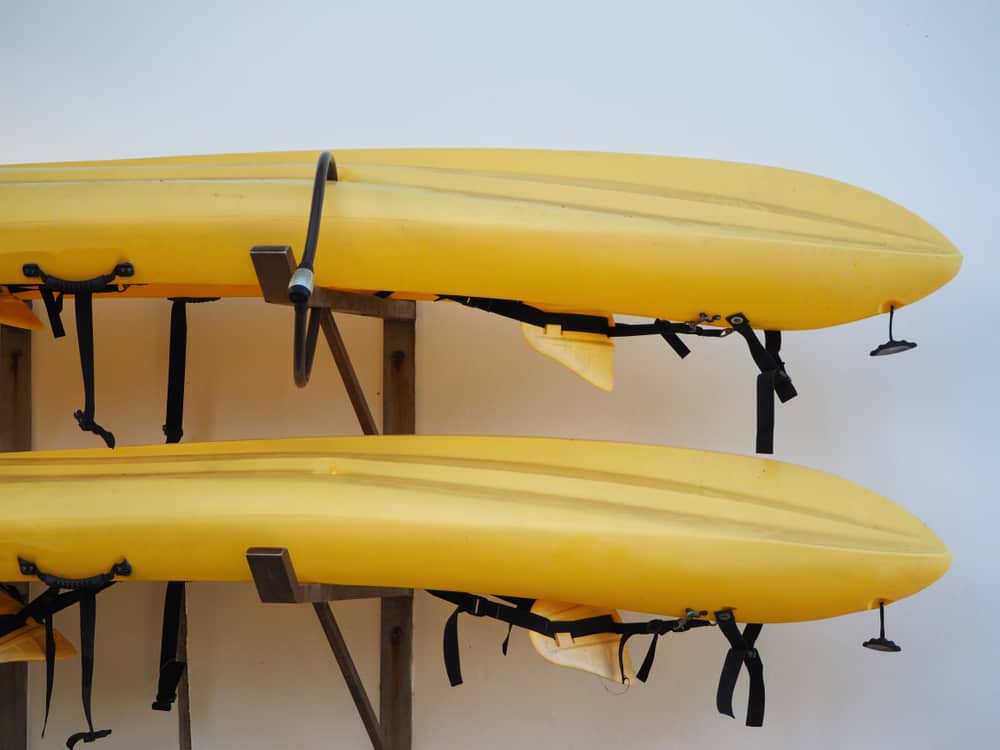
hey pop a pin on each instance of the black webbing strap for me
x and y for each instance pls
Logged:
(588, 323)
(521, 616)
(674, 342)
(83, 292)
(534, 316)
(520, 603)
(54, 308)
(741, 651)
(88, 626)
(173, 428)
(50, 664)
(41, 609)
(772, 379)
(171, 668)
(84, 592)
(84, 302)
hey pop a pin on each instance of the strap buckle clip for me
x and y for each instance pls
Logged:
(685, 623)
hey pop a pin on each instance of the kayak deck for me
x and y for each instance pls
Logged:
(629, 526)
(660, 237)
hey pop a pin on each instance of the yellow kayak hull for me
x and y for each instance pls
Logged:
(651, 236)
(614, 525)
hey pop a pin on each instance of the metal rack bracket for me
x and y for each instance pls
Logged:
(274, 575)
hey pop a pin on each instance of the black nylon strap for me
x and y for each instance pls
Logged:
(520, 603)
(83, 292)
(783, 384)
(50, 666)
(506, 641)
(587, 323)
(173, 428)
(86, 737)
(48, 602)
(53, 307)
(765, 412)
(647, 664)
(83, 591)
(83, 302)
(480, 606)
(656, 628)
(42, 609)
(772, 379)
(533, 315)
(675, 343)
(452, 658)
(741, 652)
(521, 616)
(88, 626)
(171, 668)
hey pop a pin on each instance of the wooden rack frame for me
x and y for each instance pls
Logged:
(272, 569)
(391, 728)
(15, 435)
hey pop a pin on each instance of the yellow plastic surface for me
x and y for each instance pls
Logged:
(27, 643)
(589, 355)
(626, 526)
(642, 235)
(14, 312)
(596, 654)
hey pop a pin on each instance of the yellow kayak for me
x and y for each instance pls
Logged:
(612, 525)
(590, 233)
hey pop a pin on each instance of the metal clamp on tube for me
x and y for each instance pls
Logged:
(302, 283)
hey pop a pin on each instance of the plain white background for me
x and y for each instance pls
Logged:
(900, 98)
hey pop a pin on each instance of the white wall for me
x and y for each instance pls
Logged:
(900, 98)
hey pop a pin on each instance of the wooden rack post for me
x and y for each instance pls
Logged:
(392, 729)
(15, 435)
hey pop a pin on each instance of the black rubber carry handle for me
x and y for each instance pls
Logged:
(98, 284)
(28, 568)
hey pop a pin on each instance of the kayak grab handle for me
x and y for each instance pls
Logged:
(64, 286)
(28, 568)
(302, 283)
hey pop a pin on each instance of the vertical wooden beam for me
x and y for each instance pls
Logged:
(183, 687)
(396, 672)
(15, 435)
(15, 389)
(398, 377)
(398, 417)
